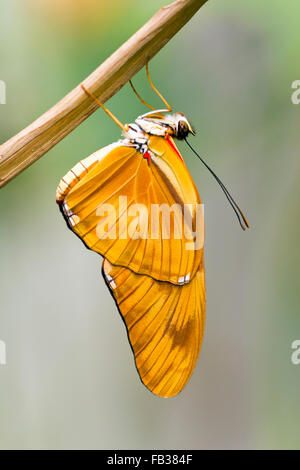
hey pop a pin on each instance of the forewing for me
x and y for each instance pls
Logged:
(114, 208)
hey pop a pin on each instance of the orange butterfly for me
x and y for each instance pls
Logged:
(135, 203)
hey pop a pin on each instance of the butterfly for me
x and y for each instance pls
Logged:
(135, 203)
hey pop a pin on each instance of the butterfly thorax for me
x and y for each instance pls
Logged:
(155, 124)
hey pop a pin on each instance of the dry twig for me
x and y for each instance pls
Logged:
(29, 145)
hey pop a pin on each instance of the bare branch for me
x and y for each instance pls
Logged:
(29, 145)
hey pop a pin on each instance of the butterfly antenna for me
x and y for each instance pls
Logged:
(240, 216)
(110, 114)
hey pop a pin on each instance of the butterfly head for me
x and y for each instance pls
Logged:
(154, 123)
(180, 125)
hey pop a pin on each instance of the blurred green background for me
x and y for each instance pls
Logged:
(70, 380)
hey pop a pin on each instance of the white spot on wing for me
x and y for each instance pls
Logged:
(67, 210)
(74, 219)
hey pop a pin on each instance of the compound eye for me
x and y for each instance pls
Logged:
(182, 129)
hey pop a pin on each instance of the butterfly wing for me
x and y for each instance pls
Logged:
(109, 207)
(165, 325)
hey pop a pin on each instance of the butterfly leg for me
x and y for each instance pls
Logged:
(156, 90)
(139, 96)
(110, 114)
